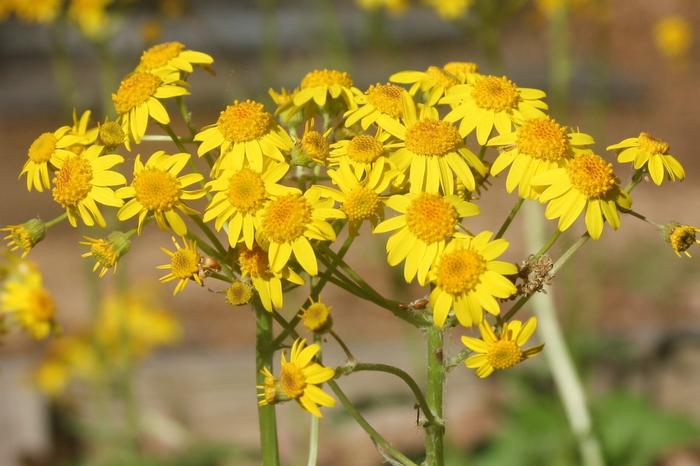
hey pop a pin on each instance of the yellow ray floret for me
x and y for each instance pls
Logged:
(469, 279)
(652, 153)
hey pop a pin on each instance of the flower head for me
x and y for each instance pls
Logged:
(652, 153)
(24, 299)
(502, 351)
(25, 236)
(313, 144)
(317, 317)
(673, 36)
(239, 293)
(107, 251)
(681, 237)
(183, 266)
(168, 57)
(382, 105)
(47, 152)
(268, 389)
(434, 82)
(254, 265)
(325, 87)
(362, 151)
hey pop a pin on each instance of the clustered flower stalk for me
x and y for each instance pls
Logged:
(411, 157)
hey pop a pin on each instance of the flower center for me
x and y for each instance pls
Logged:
(360, 204)
(316, 316)
(244, 121)
(254, 262)
(72, 182)
(652, 145)
(432, 138)
(156, 189)
(246, 191)
(286, 217)
(682, 238)
(292, 380)
(239, 293)
(441, 77)
(386, 98)
(185, 263)
(504, 354)
(104, 253)
(134, 91)
(315, 145)
(591, 175)
(42, 148)
(365, 148)
(319, 78)
(494, 93)
(42, 305)
(461, 68)
(431, 218)
(544, 139)
(159, 55)
(460, 271)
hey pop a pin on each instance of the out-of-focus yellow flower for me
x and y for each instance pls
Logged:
(37, 11)
(681, 237)
(673, 36)
(392, 6)
(450, 10)
(24, 298)
(90, 15)
(434, 82)
(651, 152)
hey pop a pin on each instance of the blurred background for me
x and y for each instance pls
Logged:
(630, 308)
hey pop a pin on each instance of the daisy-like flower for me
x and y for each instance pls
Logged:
(268, 388)
(491, 101)
(254, 264)
(244, 131)
(317, 317)
(107, 251)
(81, 135)
(433, 82)
(673, 36)
(426, 222)
(502, 351)
(318, 85)
(361, 198)
(381, 104)
(238, 197)
(290, 221)
(462, 70)
(450, 10)
(468, 278)
(137, 100)
(300, 377)
(85, 180)
(313, 144)
(651, 152)
(25, 236)
(157, 188)
(183, 266)
(586, 182)
(90, 15)
(171, 57)
(48, 149)
(433, 153)
(536, 146)
(239, 293)
(362, 152)
(38, 11)
(24, 297)
(681, 237)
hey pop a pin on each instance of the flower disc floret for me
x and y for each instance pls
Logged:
(431, 217)
(652, 145)
(386, 98)
(244, 121)
(42, 148)
(364, 149)
(318, 78)
(246, 191)
(432, 138)
(160, 54)
(543, 139)
(495, 93)
(504, 354)
(591, 175)
(286, 217)
(134, 91)
(156, 189)
(72, 182)
(460, 271)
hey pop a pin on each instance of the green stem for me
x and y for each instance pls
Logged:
(55, 221)
(62, 70)
(384, 447)
(548, 245)
(434, 432)
(267, 418)
(313, 441)
(509, 219)
(108, 81)
(342, 344)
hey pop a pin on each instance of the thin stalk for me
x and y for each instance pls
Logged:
(267, 419)
(57, 220)
(342, 344)
(509, 219)
(313, 441)
(548, 245)
(384, 447)
(434, 432)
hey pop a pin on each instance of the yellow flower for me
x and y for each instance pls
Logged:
(25, 236)
(268, 389)
(268, 283)
(394, 7)
(536, 146)
(318, 85)
(183, 266)
(171, 57)
(157, 189)
(111, 134)
(434, 82)
(381, 104)
(240, 195)
(450, 10)
(491, 101)
(25, 299)
(85, 180)
(79, 134)
(313, 144)
(317, 316)
(244, 131)
(362, 152)
(137, 100)
(239, 293)
(433, 153)
(107, 251)
(90, 15)
(52, 377)
(426, 222)
(681, 237)
(290, 221)
(651, 152)
(586, 182)
(503, 351)
(673, 36)
(462, 70)
(37, 11)
(48, 148)
(468, 278)
(300, 377)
